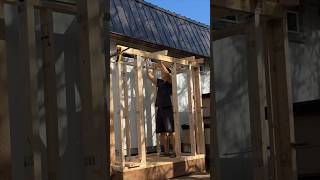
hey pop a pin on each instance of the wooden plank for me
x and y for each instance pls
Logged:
(160, 57)
(54, 6)
(191, 110)
(120, 112)
(256, 89)
(126, 108)
(33, 165)
(153, 99)
(50, 93)
(215, 162)
(140, 110)
(176, 113)
(92, 68)
(285, 155)
(112, 134)
(5, 139)
(222, 8)
(229, 31)
(271, 124)
(199, 113)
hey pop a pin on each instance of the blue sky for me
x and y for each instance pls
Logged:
(198, 10)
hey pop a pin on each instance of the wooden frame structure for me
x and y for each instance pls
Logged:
(189, 64)
(268, 78)
(92, 66)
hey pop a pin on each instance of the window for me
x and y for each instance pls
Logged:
(293, 22)
(230, 19)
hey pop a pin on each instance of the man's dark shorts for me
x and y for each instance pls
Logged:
(165, 123)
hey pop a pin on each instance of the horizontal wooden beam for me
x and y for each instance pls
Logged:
(54, 6)
(160, 57)
(229, 31)
(222, 8)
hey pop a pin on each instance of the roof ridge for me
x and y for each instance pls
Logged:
(173, 13)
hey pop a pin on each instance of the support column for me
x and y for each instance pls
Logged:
(281, 104)
(120, 112)
(126, 108)
(256, 89)
(139, 110)
(199, 114)
(5, 139)
(191, 110)
(92, 69)
(176, 111)
(112, 135)
(32, 160)
(50, 93)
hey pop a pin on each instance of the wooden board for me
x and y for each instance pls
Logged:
(139, 110)
(50, 93)
(32, 158)
(5, 139)
(126, 108)
(256, 89)
(120, 113)
(199, 113)
(163, 168)
(191, 110)
(285, 155)
(176, 113)
(112, 134)
(92, 68)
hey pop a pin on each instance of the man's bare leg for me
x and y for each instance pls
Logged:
(164, 142)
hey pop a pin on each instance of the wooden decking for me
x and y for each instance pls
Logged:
(160, 168)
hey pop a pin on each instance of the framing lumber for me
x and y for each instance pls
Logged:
(126, 108)
(5, 139)
(191, 110)
(92, 94)
(27, 35)
(256, 99)
(280, 86)
(199, 113)
(229, 31)
(112, 134)
(120, 113)
(222, 8)
(54, 6)
(140, 110)
(50, 93)
(176, 114)
(215, 162)
(160, 57)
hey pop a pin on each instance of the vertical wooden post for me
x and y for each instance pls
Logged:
(271, 123)
(154, 96)
(282, 109)
(126, 108)
(191, 109)
(27, 35)
(112, 135)
(92, 68)
(215, 162)
(199, 113)
(176, 114)
(257, 93)
(5, 140)
(50, 93)
(120, 113)
(139, 110)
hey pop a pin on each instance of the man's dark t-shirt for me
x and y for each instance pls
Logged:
(164, 93)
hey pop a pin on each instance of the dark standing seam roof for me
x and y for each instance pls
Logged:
(147, 22)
